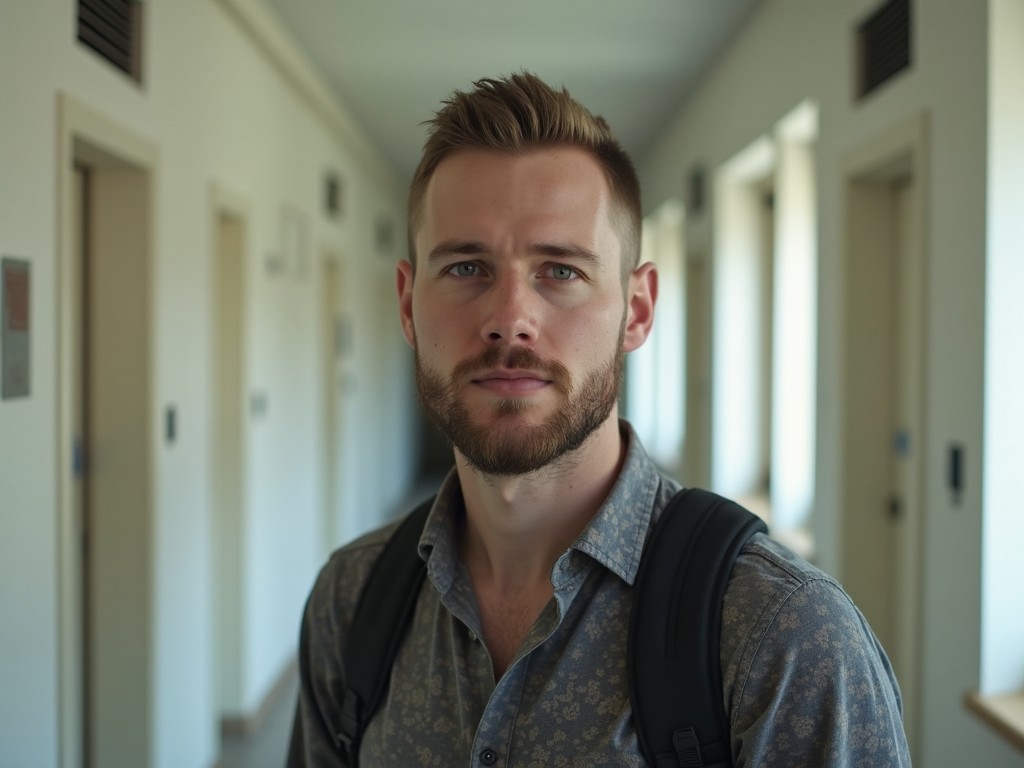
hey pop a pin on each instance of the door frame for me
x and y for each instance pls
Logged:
(227, 535)
(898, 153)
(86, 136)
(335, 326)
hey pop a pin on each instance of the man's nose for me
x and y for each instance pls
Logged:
(511, 311)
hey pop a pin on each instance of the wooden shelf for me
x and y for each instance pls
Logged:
(1004, 713)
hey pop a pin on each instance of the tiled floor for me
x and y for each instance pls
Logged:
(267, 747)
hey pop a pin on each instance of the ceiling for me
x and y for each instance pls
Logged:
(391, 62)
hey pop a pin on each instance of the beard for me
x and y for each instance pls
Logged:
(508, 447)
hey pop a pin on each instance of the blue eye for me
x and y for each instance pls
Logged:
(464, 269)
(562, 272)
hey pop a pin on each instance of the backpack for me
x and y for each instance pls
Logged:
(675, 679)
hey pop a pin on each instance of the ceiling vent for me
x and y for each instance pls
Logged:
(883, 46)
(113, 29)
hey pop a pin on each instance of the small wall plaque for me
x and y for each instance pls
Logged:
(15, 316)
(332, 195)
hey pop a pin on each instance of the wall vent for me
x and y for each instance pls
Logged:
(883, 45)
(113, 29)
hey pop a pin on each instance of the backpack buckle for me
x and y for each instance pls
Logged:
(351, 713)
(687, 748)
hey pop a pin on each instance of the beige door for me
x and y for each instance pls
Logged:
(111, 445)
(228, 501)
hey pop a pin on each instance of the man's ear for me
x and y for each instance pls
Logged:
(404, 281)
(641, 295)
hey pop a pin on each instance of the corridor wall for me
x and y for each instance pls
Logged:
(229, 102)
(792, 50)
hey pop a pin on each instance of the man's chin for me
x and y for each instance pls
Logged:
(482, 403)
(509, 447)
(511, 412)
(507, 462)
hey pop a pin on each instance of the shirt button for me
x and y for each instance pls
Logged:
(488, 756)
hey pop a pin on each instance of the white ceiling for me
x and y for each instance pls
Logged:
(393, 61)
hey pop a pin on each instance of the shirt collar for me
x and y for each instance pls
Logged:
(437, 546)
(616, 534)
(614, 537)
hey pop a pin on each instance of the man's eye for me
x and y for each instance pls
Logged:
(562, 272)
(464, 269)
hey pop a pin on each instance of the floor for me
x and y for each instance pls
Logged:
(267, 747)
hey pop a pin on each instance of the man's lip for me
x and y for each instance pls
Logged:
(511, 382)
(510, 376)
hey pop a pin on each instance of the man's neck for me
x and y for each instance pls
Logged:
(517, 527)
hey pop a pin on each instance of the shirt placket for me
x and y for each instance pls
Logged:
(493, 740)
(493, 743)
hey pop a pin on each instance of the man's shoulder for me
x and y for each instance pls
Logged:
(793, 646)
(367, 544)
(362, 550)
(775, 599)
(767, 561)
(767, 575)
(342, 577)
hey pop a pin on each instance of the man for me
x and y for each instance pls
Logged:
(521, 297)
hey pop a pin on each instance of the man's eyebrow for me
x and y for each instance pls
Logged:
(566, 250)
(449, 248)
(456, 248)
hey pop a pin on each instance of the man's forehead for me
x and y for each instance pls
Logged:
(561, 181)
(485, 182)
(557, 155)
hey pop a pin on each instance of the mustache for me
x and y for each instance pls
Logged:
(512, 357)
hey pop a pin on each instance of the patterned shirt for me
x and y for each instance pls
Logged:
(804, 680)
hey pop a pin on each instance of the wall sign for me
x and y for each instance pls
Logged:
(15, 313)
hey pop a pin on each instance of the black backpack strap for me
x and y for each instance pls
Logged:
(675, 677)
(381, 618)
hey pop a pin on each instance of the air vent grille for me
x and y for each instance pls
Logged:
(111, 28)
(883, 45)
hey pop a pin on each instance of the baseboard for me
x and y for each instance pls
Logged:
(248, 724)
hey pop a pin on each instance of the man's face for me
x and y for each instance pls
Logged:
(517, 312)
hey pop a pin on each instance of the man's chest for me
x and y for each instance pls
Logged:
(564, 699)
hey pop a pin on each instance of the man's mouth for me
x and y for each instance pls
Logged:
(511, 383)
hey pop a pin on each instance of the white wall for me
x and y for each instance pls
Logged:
(792, 50)
(221, 111)
(1003, 641)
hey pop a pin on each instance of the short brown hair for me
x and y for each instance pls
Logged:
(519, 113)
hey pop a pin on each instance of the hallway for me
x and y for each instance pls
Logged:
(242, 323)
